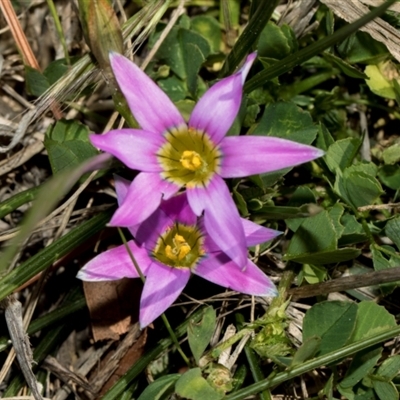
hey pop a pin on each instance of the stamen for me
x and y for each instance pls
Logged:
(191, 160)
(180, 250)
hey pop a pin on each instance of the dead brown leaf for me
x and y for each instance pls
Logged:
(113, 306)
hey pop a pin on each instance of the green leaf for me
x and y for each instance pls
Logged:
(240, 202)
(160, 389)
(191, 385)
(342, 153)
(302, 195)
(385, 390)
(184, 51)
(390, 176)
(209, 29)
(380, 263)
(36, 82)
(333, 322)
(392, 230)
(380, 79)
(391, 155)
(335, 214)
(67, 144)
(274, 42)
(56, 69)
(307, 350)
(346, 68)
(200, 333)
(362, 48)
(314, 235)
(358, 188)
(313, 273)
(353, 231)
(173, 87)
(287, 121)
(361, 365)
(195, 50)
(371, 320)
(324, 138)
(389, 368)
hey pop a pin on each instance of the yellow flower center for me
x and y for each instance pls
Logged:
(191, 160)
(180, 246)
(180, 250)
(189, 157)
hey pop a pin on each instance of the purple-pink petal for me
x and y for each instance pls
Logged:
(217, 109)
(137, 149)
(116, 264)
(221, 218)
(142, 199)
(150, 230)
(250, 155)
(257, 234)
(178, 209)
(219, 269)
(150, 106)
(163, 286)
(121, 187)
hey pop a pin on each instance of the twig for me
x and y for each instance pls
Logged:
(347, 282)
(176, 14)
(20, 341)
(387, 206)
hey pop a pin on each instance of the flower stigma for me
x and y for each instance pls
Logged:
(180, 246)
(180, 250)
(191, 160)
(189, 157)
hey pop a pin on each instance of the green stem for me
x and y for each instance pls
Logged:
(59, 29)
(164, 318)
(314, 363)
(175, 339)
(125, 242)
(256, 371)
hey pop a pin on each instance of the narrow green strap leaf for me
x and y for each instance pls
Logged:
(19, 199)
(249, 36)
(291, 61)
(50, 194)
(52, 253)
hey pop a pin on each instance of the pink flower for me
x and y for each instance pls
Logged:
(170, 245)
(197, 156)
